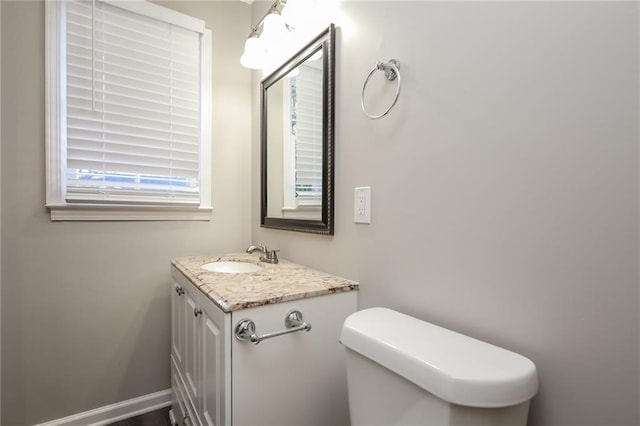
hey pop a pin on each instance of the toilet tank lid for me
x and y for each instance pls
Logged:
(454, 367)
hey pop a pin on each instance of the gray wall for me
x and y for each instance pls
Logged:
(505, 204)
(85, 314)
(504, 187)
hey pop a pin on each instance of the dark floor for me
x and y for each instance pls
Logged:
(155, 418)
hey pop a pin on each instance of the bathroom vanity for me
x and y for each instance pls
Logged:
(295, 373)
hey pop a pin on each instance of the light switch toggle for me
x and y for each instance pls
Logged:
(362, 205)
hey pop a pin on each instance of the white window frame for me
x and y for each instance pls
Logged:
(55, 102)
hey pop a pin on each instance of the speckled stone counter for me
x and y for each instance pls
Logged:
(272, 284)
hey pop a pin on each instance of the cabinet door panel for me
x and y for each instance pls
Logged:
(211, 346)
(192, 344)
(177, 398)
(183, 409)
(214, 375)
(177, 324)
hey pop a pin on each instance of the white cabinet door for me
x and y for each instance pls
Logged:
(201, 334)
(177, 324)
(178, 398)
(193, 331)
(215, 369)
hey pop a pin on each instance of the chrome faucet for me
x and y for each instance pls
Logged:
(270, 256)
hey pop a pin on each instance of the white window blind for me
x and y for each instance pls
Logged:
(133, 107)
(307, 86)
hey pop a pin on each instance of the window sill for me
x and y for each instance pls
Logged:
(302, 212)
(127, 213)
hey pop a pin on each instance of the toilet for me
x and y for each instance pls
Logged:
(404, 371)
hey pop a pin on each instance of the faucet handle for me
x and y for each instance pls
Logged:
(271, 256)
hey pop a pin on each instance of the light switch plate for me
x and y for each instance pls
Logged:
(362, 204)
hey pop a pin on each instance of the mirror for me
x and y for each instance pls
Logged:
(297, 140)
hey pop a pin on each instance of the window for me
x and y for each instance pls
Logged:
(128, 108)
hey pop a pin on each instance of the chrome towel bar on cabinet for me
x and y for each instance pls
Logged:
(246, 329)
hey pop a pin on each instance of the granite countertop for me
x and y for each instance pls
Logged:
(272, 284)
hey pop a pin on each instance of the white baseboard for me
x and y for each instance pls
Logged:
(114, 412)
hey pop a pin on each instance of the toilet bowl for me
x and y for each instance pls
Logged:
(404, 371)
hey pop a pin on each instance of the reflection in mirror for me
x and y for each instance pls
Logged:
(294, 143)
(297, 140)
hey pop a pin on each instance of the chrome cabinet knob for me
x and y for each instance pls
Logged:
(197, 311)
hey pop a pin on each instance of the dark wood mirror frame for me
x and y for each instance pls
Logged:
(325, 41)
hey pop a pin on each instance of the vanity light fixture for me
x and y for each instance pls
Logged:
(267, 36)
(285, 28)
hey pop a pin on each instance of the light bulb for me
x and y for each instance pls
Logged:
(273, 30)
(254, 54)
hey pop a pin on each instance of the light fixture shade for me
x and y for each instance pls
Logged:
(274, 31)
(254, 55)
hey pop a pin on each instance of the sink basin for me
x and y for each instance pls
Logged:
(231, 267)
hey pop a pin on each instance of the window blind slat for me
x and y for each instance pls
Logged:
(100, 167)
(181, 116)
(128, 164)
(178, 125)
(177, 144)
(82, 97)
(114, 148)
(81, 55)
(138, 131)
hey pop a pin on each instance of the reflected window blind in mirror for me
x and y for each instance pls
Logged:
(306, 112)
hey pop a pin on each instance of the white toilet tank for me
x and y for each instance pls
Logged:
(404, 371)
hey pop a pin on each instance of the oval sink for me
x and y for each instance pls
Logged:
(231, 267)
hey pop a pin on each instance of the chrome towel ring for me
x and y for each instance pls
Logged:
(391, 71)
